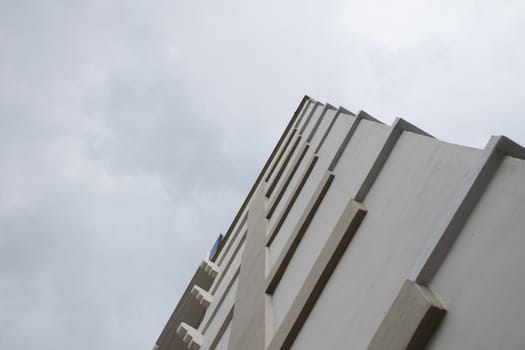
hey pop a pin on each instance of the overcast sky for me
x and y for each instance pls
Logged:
(131, 131)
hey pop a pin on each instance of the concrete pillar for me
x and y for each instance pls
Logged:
(249, 324)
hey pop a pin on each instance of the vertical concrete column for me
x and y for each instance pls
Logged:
(249, 323)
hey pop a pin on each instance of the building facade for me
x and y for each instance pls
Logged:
(361, 235)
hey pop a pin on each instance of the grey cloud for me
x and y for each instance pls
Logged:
(130, 133)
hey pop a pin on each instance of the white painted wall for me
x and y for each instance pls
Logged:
(321, 130)
(223, 343)
(330, 146)
(224, 308)
(411, 193)
(221, 290)
(366, 142)
(482, 280)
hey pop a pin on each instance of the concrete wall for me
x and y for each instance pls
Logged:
(303, 267)
(361, 150)
(482, 280)
(326, 152)
(411, 193)
(223, 342)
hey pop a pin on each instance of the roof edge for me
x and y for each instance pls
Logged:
(259, 178)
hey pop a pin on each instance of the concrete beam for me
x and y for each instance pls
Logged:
(291, 200)
(318, 276)
(228, 265)
(219, 303)
(471, 191)
(330, 126)
(221, 331)
(309, 117)
(231, 239)
(190, 336)
(297, 234)
(188, 310)
(396, 129)
(360, 116)
(211, 268)
(203, 297)
(326, 107)
(288, 177)
(305, 100)
(303, 111)
(249, 323)
(282, 167)
(411, 321)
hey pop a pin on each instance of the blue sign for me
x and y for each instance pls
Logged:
(215, 247)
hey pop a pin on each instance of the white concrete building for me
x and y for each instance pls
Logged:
(360, 235)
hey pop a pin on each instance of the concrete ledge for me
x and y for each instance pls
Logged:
(190, 336)
(280, 172)
(280, 155)
(228, 264)
(411, 321)
(188, 310)
(446, 233)
(261, 176)
(297, 234)
(211, 268)
(203, 297)
(278, 159)
(293, 133)
(221, 331)
(346, 111)
(305, 124)
(318, 276)
(288, 177)
(326, 107)
(218, 305)
(249, 317)
(289, 204)
(330, 126)
(303, 111)
(396, 129)
(361, 115)
(233, 238)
